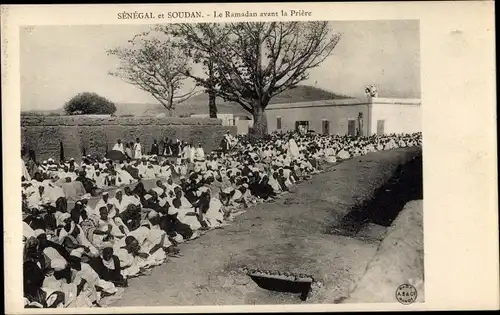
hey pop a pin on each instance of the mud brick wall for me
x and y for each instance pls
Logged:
(94, 134)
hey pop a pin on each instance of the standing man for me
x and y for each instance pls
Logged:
(155, 149)
(137, 149)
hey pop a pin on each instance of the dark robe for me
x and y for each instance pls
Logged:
(134, 172)
(33, 277)
(112, 275)
(140, 191)
(36, 222)
(170, 223)
(87, 184)
(155, 149)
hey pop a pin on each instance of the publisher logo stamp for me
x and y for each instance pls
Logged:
(406, 294)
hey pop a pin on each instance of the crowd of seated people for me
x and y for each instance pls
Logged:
(82, 246)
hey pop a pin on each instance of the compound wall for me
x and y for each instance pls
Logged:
(94, 135)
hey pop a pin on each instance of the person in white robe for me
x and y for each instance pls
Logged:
(68, 284)
(100, 179)
(330, 155)
(137, 149)
(133, 259)
(107, 229)
(119, 146)
(199, 153)
(80, 240)
(39, 198)
(103, 202)
(186, 153)
(215, 214)
(85, 272)
(192, 153)
(123, 177)
(119, 202)
(343, 154)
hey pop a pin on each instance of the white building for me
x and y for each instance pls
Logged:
(364, 116)
(242, 122)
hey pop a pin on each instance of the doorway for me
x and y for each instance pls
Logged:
(351, 127)
(380, 127)
(302, 126)
(325, 127)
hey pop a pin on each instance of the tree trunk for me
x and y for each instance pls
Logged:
(259, 128)
(212, 107)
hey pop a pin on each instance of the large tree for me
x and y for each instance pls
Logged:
(156, 65)
(199, 42)
(257, 61)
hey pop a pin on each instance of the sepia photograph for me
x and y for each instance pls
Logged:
(241, 157)
(232, 163)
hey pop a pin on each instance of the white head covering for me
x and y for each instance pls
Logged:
(105, 193)
(158, 190)
(106, 245)
(162, 202)
(39, 232)
(77, 252)
(152, 214)
(86, 197)
(64, 216)
(58, 264)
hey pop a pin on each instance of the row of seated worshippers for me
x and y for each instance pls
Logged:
(51, 181)
(74, 258)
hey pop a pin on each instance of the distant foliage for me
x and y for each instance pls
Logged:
(89, 103)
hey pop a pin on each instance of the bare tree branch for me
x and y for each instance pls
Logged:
(155, 66)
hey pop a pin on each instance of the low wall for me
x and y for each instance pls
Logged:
(94, 134)
(399, 260)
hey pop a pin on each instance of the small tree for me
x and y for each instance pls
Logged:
(89, 103)
(155, 65)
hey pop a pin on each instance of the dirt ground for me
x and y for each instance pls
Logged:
(287, 235)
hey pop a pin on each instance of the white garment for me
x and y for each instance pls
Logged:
(192, 154)
(137, 151)
(25, 172)
(293, 149)
(119, 147)
(199, 153)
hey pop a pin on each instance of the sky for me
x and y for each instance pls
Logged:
(58, 62)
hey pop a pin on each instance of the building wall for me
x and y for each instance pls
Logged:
(94, 134)
(337, 114)
(227, 119)
(243, 126)
(399, 115)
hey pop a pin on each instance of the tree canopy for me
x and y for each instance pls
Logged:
(247, 63)
(89, 103)
(254, 62)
